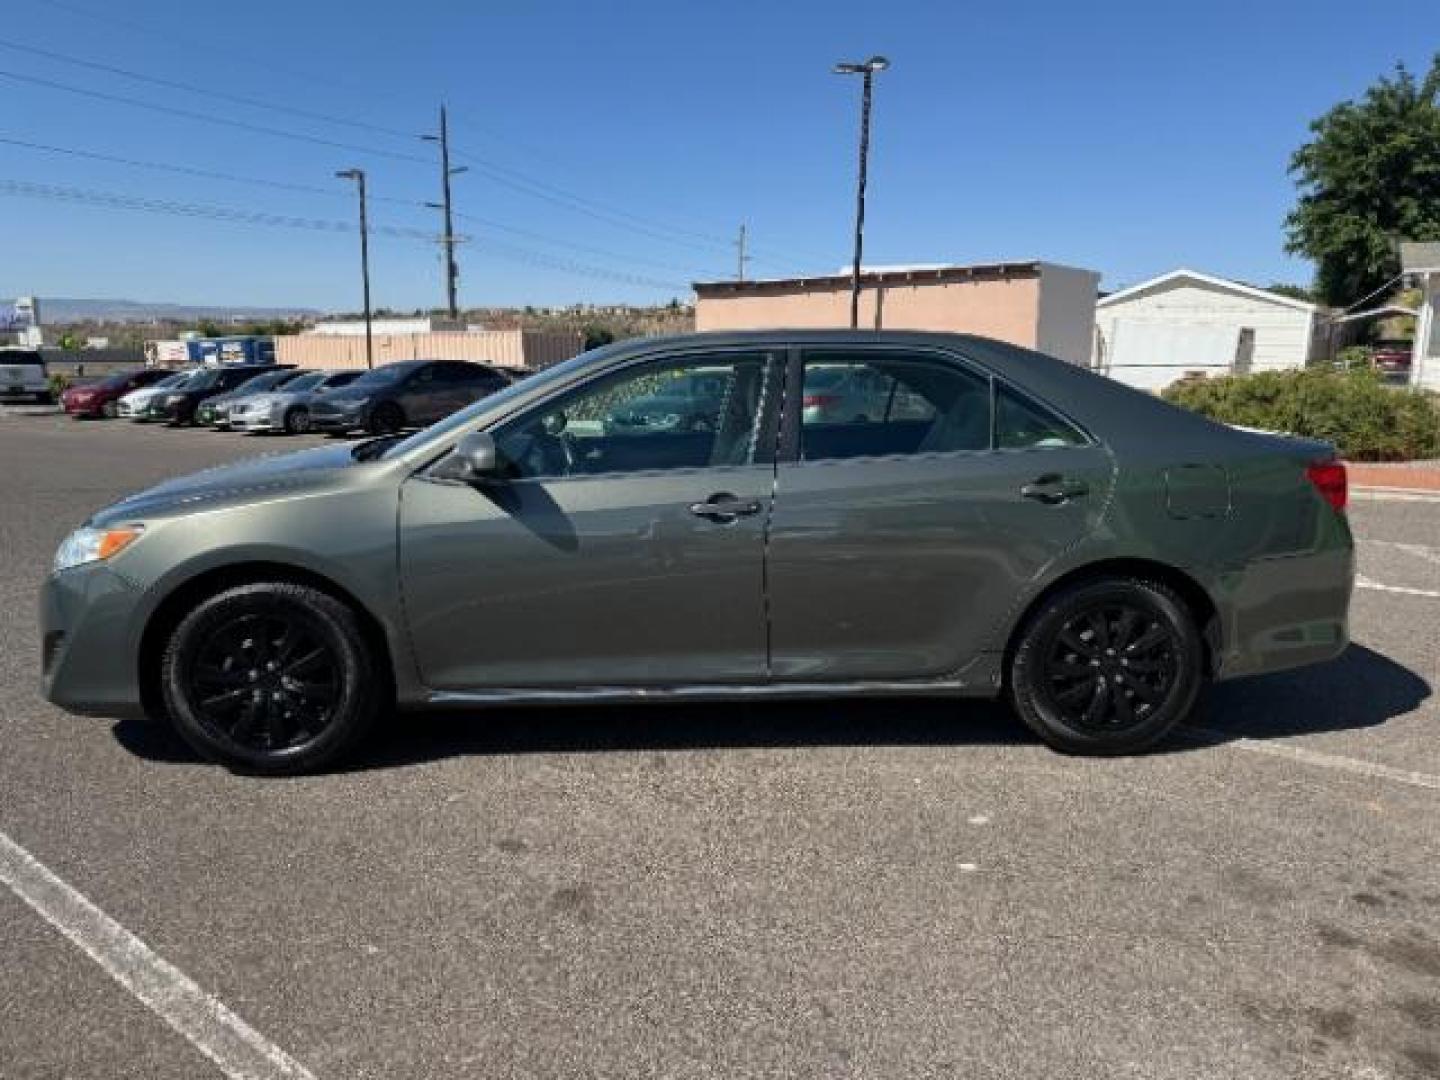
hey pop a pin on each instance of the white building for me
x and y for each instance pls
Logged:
(1421, 262)
(420, 324)
(1160, 330)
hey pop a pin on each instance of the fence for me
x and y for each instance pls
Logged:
(527, 349)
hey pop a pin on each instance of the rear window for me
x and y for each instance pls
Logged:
(15, 357)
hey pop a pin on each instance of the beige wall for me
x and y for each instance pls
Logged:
(1007, 309)
(530, 349)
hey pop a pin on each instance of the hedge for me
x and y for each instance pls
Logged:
(1355, 410)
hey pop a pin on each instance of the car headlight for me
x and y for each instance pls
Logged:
(86, 545)
(174, 399)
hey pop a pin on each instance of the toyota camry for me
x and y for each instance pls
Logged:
(995, 523)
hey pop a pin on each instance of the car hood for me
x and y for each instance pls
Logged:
(145, 393)
(243, 481)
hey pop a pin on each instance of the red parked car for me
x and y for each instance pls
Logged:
(99, 398)
(1391, 358)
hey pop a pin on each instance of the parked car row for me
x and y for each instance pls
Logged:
(286, 399)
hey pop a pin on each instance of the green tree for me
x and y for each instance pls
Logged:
(1369, 177)
(1294, 292)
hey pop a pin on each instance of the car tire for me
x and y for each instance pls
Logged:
(109, 410)
(271, 678)
(1107, 666)
(297, 421)
(386, 419)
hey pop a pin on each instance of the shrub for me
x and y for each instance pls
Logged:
(1353, 357)
(58, 384)
(1355, 410)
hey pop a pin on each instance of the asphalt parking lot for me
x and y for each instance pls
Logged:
(821, 890)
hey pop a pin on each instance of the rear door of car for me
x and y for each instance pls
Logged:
(900, 542)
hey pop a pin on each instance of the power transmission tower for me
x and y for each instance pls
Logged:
(743, 258)
(448, 239)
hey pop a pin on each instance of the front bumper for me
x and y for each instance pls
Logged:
(1284, 612)
(90, 645)
(348, 420)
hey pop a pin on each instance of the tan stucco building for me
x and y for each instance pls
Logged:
(1036, 304)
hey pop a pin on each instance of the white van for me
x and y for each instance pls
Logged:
(23, 376)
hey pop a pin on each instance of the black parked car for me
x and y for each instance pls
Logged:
(408, 393)
(178, 407)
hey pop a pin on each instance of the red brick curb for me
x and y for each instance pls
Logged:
(1421, 477)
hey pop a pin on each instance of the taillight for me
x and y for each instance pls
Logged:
(1330, 481)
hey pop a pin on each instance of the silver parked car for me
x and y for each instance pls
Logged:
(287, 409)
(1026, 529)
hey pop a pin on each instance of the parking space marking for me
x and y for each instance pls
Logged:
(240, 1051)
(1362, 582)
(1420, 551)
(1357, 766)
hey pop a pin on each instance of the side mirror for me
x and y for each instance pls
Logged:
(474, 458)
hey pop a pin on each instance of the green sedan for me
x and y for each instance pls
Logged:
(999, 524)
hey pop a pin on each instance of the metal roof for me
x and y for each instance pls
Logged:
(897, 276)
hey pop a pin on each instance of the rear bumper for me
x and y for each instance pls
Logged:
(1284, 612)
(89, 649)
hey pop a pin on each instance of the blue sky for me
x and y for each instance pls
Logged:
(1128, 138)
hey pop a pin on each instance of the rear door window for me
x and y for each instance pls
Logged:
(1022, 423)
(880, 404)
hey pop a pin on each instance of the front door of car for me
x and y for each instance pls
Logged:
(900, 541)
(611, 553)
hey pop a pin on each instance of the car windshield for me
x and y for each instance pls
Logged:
(384, 376)
(25, 359)
(263, 381)
(305, 382)
(339, 378)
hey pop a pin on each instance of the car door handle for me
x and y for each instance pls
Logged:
(723, 506)
(1052, 489)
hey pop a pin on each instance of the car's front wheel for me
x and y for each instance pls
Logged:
(386, 419)
(110, 410)
(297, 420)
(1107, 666)
(270, 677)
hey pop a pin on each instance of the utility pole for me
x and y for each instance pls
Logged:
(867, 69)
(448, 238)
(358, 175)
(743, 259)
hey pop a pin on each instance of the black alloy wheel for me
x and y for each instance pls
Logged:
(271, 677)
(386, 419)
(1107, 667)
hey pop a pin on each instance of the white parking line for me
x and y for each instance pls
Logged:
(1362, 582)
(1420, 551)
(1315, 757)
(239, 1050)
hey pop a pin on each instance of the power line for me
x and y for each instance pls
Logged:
(206, 118)
(232, 215)
(332, 193)
(190, 88)
(206, 174)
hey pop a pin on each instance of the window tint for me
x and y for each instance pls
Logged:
(677, 414)
(1022, 424)
(879, 404)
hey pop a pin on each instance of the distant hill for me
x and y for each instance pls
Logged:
(59, 309)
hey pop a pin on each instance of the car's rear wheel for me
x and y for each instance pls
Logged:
(109, 410)
(271, 677)
(297, 420)
(1107, 666)
(386, 419)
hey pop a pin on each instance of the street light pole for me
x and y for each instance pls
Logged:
(867, 70)
(358, 175)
